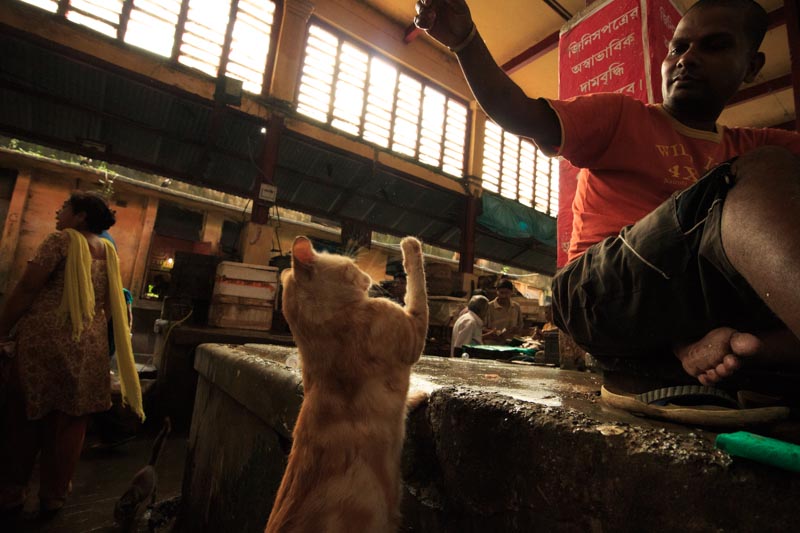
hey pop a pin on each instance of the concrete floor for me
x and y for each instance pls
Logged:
(102, 476)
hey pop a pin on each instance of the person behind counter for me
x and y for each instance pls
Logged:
(468, 329)
(504, 317)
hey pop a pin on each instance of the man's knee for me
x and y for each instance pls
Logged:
(764, 165)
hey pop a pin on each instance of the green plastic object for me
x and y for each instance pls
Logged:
(762, 449)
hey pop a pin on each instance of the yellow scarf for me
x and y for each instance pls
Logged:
(78, 303)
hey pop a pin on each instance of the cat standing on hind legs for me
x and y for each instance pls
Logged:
(343, 473)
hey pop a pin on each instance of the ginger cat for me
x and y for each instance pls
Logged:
(343, 473)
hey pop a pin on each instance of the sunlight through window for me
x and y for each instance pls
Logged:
(152, 25)
(515, 168)
(100, 15)
(47, 5)
(362, 94)
(252, 33)
(204, 35)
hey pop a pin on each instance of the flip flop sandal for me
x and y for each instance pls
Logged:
(693, 405)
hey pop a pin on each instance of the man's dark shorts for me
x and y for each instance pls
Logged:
(663, 280)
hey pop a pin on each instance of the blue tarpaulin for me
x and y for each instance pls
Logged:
(511, 219)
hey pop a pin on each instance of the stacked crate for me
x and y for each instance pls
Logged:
(243, 296)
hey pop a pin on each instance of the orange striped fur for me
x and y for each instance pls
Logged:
(343, 473)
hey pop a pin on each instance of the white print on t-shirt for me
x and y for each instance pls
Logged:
(682, 175)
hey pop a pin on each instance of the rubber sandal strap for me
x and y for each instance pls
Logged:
(688, 395)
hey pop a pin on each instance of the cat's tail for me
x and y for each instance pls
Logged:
(161, 440)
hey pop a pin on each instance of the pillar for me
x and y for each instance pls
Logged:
(12, 227)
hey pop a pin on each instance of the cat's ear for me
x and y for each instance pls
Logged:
(303, 252)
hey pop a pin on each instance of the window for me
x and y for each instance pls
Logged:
(47, 5)
(359, 92)
(204, 35)
(100, 15)
(515, 168)
(191, 32)
(152, 25)
(252, 33)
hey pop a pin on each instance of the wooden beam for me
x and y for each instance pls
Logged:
(754, 91)
(776, 18)
(542, 47)
(139, 273)
(793, 34)
(12, 227)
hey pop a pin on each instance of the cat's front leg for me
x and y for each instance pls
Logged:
(416, 293)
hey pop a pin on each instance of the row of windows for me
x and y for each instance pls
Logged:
(192, 32)
(342, 84)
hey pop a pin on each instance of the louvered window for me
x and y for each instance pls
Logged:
(515, 168)
(199, 28)
(152, 25)
(204, 34)
(357, 91)
(47, 5)
(100, 15)
(252, 33)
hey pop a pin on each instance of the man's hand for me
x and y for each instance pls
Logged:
(447, 21)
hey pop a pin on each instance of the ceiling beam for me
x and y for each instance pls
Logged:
(558, 9)
(777, 18)
(534, 52)
(754, 91)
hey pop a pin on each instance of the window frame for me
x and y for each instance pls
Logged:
(371, 51)
(63, 7)
(552, 204)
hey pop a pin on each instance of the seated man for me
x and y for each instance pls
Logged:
(685, 249)
(504, 317)
(468, 328)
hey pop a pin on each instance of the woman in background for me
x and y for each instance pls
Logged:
(61, 306)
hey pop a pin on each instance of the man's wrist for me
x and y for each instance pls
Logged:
(468, 39)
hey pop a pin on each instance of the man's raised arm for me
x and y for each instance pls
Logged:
(450, 23)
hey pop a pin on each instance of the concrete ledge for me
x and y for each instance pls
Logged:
(498, 447)
(256, 379)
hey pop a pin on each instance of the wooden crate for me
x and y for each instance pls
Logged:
(240, 313)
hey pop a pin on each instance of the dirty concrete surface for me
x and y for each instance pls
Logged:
(497, 447)
(102, 476)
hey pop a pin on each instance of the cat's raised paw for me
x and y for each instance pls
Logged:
(411, 246)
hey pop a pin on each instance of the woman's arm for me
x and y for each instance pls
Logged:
(21, 298)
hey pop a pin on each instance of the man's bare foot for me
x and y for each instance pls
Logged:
(720, 353)
(710, 358)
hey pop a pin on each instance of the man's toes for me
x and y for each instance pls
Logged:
(723, 371)
(711, 377)
(745, 344)
(731, 362)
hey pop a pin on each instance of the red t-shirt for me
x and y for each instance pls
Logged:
(633, 156)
